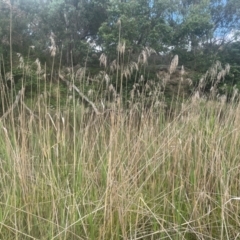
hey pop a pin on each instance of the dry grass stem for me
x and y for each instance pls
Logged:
(10, 110)
(80, 93)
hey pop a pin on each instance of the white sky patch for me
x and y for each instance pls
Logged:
(234, 36)
(94, 45)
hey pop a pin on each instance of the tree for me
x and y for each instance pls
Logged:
(138, 23)
(192, 28)
(73, 23)
(13, 27)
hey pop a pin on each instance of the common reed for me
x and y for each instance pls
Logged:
(92, 168)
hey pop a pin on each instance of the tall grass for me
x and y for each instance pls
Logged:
(71, 174)
(124, 170)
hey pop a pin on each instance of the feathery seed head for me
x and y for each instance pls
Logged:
(142, 58)
(182, 70)
(220, 75)
(126, 72)
(234, 94)
(107, 79)
(195, 97)
(189, 81)
(21, 60)
(223, 99)
(113, 65)
(173, 65)
(227, 68)
(121, 47)
(129, 68)
(147, 87)
(202, 83)
(145, 54)
(132, 94)
(103, 60)
(9, 77)
(53, 47)
(119, 22)
(133, 66)
(141, 79)
(111, 88)
(37, 62)
(90, 92)
(80, 73)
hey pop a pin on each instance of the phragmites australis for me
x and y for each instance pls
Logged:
(173, 65)
(103, 60)
(53, 47)
(21, 60)
(39, 69)
(145, 54)
(121, 47)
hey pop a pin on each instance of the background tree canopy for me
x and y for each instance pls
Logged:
(199, 31)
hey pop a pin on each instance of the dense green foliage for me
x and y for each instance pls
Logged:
(191, 27)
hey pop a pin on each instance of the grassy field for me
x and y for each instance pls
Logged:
(144, 169)
(122, 174)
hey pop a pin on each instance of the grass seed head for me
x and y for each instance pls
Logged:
(9, 77)
(126, 72)
(142, 58)
(145, 54)
(173, 65)
(90, 92)
(195, 97)
(182, 70)
(227, 68)
(21, 61)
(39, 69)
(103, 60)
(223, 99)
(53, 47)
(121, 47)
(189, 81)
(113, 65)
(107, 79)
(80, 73)
(234, 94)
